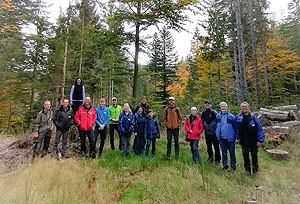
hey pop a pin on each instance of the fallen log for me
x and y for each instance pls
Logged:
(276, 115)
(278, 154)
(287, 108)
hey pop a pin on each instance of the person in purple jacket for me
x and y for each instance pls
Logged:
(77, 94)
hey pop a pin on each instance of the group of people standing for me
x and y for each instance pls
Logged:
(221, 129)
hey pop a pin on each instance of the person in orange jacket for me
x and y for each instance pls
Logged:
(194, 128)
(85, 118)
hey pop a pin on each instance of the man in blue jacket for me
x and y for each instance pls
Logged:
(251, 135)
(103, 118)
(226, 134)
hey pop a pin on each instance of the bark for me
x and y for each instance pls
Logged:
(254, 54)
(219, 76)
(266, 72)
(237, 74)
(277, 115)
(65, 60)
(81, 45)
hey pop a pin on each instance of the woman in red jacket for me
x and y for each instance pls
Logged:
(194, 128)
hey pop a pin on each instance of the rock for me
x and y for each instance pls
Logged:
(278, 154)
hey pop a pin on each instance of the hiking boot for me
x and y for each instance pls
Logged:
(66, 156)
(225, 167)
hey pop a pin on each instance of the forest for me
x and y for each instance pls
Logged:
(238, 53)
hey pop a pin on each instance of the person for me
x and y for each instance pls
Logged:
(251, 136)
(194, 128)
(144, 105)
(125, 129)
(115, 110)
(138, 129)
(85, 118)
(172, 120)
(208, 117)
(43, 130)
(63, 119)
(103, 118)
(226, 134)
(77, 94)
(151, 132)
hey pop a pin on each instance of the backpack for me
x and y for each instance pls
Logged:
(167, 108)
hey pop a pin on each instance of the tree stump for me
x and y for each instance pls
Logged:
(278, 154)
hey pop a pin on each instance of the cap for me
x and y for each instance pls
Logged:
(209, 102)
(171, 98)
(114, 98)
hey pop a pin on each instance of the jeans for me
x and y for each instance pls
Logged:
(64, 135)
(195, 152)
(103, 134)
(254, 151)
(173, 133)
(149, 141)
(76, 105)
(90, 135)
(125, 144)
(112, 128)
(139, 144)
(230, 146)
(211, 140)
(43, 139)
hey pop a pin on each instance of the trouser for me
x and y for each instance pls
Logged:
(90, 135)
(139, 143)
(76, 105)
(103, 134)
(173, 133)
(43, 139)
(230, 146)
(125, 144)
(64, 135)
(211, 140)
(112, 128)
(149, 141)
(253, 151)
(195, 152)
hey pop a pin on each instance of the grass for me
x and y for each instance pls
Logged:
(113, 179)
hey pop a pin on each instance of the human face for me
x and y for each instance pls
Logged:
(47, 106)
(114, 102)
(101, 104)
(245, 108)
(207, 106)
(65, 103)
(171, 102)
(126, 108)
(140, 110)
(224, 108)
(194, 112)
(151, 114)
(87, 101)
(78, 81)
(144, 100)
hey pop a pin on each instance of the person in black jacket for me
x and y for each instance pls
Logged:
(210, 124)
(144, 105)
(63, 119)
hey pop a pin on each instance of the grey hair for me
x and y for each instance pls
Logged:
(193, 108)
(223, 103)
(245, 103)
(47, 102)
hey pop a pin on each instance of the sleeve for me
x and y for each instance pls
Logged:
(77, 118)
(260, 132)
(237, 131)
(179, 116)
(165, 117)
(235, 127)
(83, 93)
(157, 126)
(71, 93)
(145, 128)
(107, 118)
(37, 122)
(55, 118)
(73, 117)
(94, 116)
(120, 125)
(200, 128)
(98, 118)
(134, 123)
(187, 125)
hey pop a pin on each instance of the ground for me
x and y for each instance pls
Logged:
(112, 179)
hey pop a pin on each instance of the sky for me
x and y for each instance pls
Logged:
(183, 39)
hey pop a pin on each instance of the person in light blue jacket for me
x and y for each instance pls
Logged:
(226, 134)
(103, 118)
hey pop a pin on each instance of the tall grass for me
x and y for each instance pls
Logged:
(113, 179)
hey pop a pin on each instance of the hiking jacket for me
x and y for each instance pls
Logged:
(209, 121)
(114, 113)
(125, 125)
(63, 119)
(251, 132)
(197, 128)
(86, 118)
(151, 128)
(231, 126)
(43, 121)
(172, 117)
(103, 116)
(138, 123)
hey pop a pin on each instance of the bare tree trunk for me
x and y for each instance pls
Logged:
(219, 76)
(136, 56)
(237, 73)
(65, 59)
(241, 54)
(266, 72)
(254, 54)
(82, 42)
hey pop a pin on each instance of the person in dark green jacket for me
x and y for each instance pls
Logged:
(115, 110)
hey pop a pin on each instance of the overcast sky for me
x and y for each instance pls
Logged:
(182, 40)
